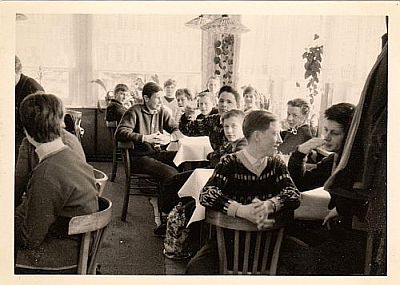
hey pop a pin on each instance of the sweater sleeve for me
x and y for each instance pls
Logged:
(289, 196)
(171, 126)
(213, 194)
(125, 130)
(39, 212)
(22, 170)
(309, 179)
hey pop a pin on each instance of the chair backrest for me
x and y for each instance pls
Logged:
(91, 227)
(101, 181)
(242, 248)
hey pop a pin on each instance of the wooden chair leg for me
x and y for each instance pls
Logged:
(114, 165)
(154, 203)
(368, 254)
(126, 200)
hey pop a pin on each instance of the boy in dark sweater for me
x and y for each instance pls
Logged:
(116, 109)
(299, 130)
(250, 184)
(211, 126)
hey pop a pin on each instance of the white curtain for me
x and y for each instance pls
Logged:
(65, 52)
(271, 55)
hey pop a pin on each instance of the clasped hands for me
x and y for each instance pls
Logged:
(257, 212)
(158, 138)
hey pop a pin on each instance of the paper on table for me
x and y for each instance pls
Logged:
(192, 188)
(313, 205)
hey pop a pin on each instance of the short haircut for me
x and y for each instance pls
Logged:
(341, 113)
(170, 82)
(232, 90)
(258, 120)
(231, 114)
(214, 78)
(150, 88)
(18, 65)
(302, 104)
(206, 94)
(185, 92)
(42, 116)
(120, 87)
(248, 90)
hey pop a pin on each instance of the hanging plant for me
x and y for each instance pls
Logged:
(313, 57)
(223, 59)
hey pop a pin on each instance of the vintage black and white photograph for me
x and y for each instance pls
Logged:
(199, 143)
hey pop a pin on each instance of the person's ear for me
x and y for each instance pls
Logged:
(146, 98)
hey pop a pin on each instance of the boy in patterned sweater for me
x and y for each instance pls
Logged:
(250, 184)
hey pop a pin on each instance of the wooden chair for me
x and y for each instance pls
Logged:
(112, 126)
(91, 227)
(257, 251)
(137, 183)
(101, 181)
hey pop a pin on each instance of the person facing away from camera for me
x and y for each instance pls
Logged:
(62, 186)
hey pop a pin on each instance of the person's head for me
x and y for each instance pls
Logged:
(169, 88)
(250, 97)
(42, 117)
(338, 119)
(228, 99)
(183, 96)
(213, 84)
(261, 130)
(205, 102)
(232, 122)
(18, 70)
(297, 112)
(152, 94)
(121, 92)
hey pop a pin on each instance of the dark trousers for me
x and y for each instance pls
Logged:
(205, 262)
(169, 194)
(159, 165)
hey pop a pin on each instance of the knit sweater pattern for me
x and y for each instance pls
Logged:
(210, 126)
(233, 182)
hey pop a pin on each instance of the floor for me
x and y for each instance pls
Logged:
(131, 248)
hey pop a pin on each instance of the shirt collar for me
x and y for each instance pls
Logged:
(47, 149)
(148, 111)
(252, 159)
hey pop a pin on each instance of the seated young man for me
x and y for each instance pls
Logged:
(28, 159)
(116, 109)
(62, 186)
(249, 184)
(185, 99)
(299, 131)
(151, 128)
(232, 122)
(228, 99)
(206, 106)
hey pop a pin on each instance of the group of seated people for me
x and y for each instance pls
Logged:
(249, 181)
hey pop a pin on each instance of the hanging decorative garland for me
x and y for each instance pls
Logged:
(223, 59)
(313, 57)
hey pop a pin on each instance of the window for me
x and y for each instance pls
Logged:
(66, 52)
